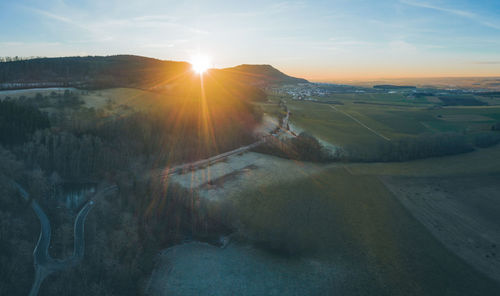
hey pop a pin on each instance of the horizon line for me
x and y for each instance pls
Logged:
(310, 79)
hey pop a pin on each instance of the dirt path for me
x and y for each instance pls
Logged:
(283, 129)
(360, 123)
(43, 262)
(461, 212)
(239, 173)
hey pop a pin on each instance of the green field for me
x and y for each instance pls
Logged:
(389, 116)
(347, 216)
(355, 224)
(479, 162)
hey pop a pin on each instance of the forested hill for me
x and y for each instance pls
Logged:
(92, 72)
(123, 71)
(262, 75)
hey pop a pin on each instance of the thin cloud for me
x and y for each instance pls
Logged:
(11, 43)
(462, 13)
(402, 46)
(487, 63)
(272, 9)
(96, 27)
(158, 45)
(157, 17)
(34, 44)
(348, 42)
(52, 15)
(56, 17)
(170, 44)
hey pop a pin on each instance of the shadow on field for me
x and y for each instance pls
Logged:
(337, 217)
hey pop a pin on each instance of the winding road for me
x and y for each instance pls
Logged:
(44, 264)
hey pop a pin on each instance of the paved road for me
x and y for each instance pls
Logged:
(43, 262)
(199, 163)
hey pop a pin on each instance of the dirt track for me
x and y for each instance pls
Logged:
(461, 212)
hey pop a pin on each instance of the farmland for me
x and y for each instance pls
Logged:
(330, 224)
(397, 228)
(349, 227)
(393, 116)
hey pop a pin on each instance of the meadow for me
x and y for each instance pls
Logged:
(364, 119)
(350, 217)
(359, 227)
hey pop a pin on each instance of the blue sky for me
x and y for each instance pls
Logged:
(322, 40)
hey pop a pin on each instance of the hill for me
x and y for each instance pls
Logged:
(99, 72)
(262, 75)
(88, 72)
(390, 86)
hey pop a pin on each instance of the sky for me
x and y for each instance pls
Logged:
(317, 40)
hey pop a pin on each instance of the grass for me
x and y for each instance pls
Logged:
(29, 92)
(392, 115)
(115, 98)
(357, 225)
(329, 125)
(482, 161)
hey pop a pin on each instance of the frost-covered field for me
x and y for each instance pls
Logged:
(33, 91)
(242, 172)
(238, 269)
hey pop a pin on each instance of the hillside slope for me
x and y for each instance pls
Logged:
(262, 75)
(125, 71)
(91, 72)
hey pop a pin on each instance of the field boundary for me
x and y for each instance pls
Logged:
(359, 122)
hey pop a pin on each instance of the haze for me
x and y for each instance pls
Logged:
(293, 148)
(317, 40)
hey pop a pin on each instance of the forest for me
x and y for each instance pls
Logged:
(99, 72)
(74, 143)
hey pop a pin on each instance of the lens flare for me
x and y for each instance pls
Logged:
(200, 63)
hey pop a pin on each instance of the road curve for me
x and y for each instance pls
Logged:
(44, 264)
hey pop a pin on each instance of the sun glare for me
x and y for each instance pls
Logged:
(200, 63)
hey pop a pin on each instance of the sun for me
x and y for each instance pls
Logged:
(200, 63)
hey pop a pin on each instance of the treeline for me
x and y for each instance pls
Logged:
(307, 148)
(17, 58)
(124, 232)
(91, 72)
(19, 229)
(496, 127)
(98, 72)
(304, 147)
(71, 156)
(486, 139)
(492, 94)
(89, 144)
(458, 100)
(422, 146)
(391, 86)
(67, 99)
(18, 122)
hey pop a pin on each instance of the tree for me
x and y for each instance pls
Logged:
(19, 122)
